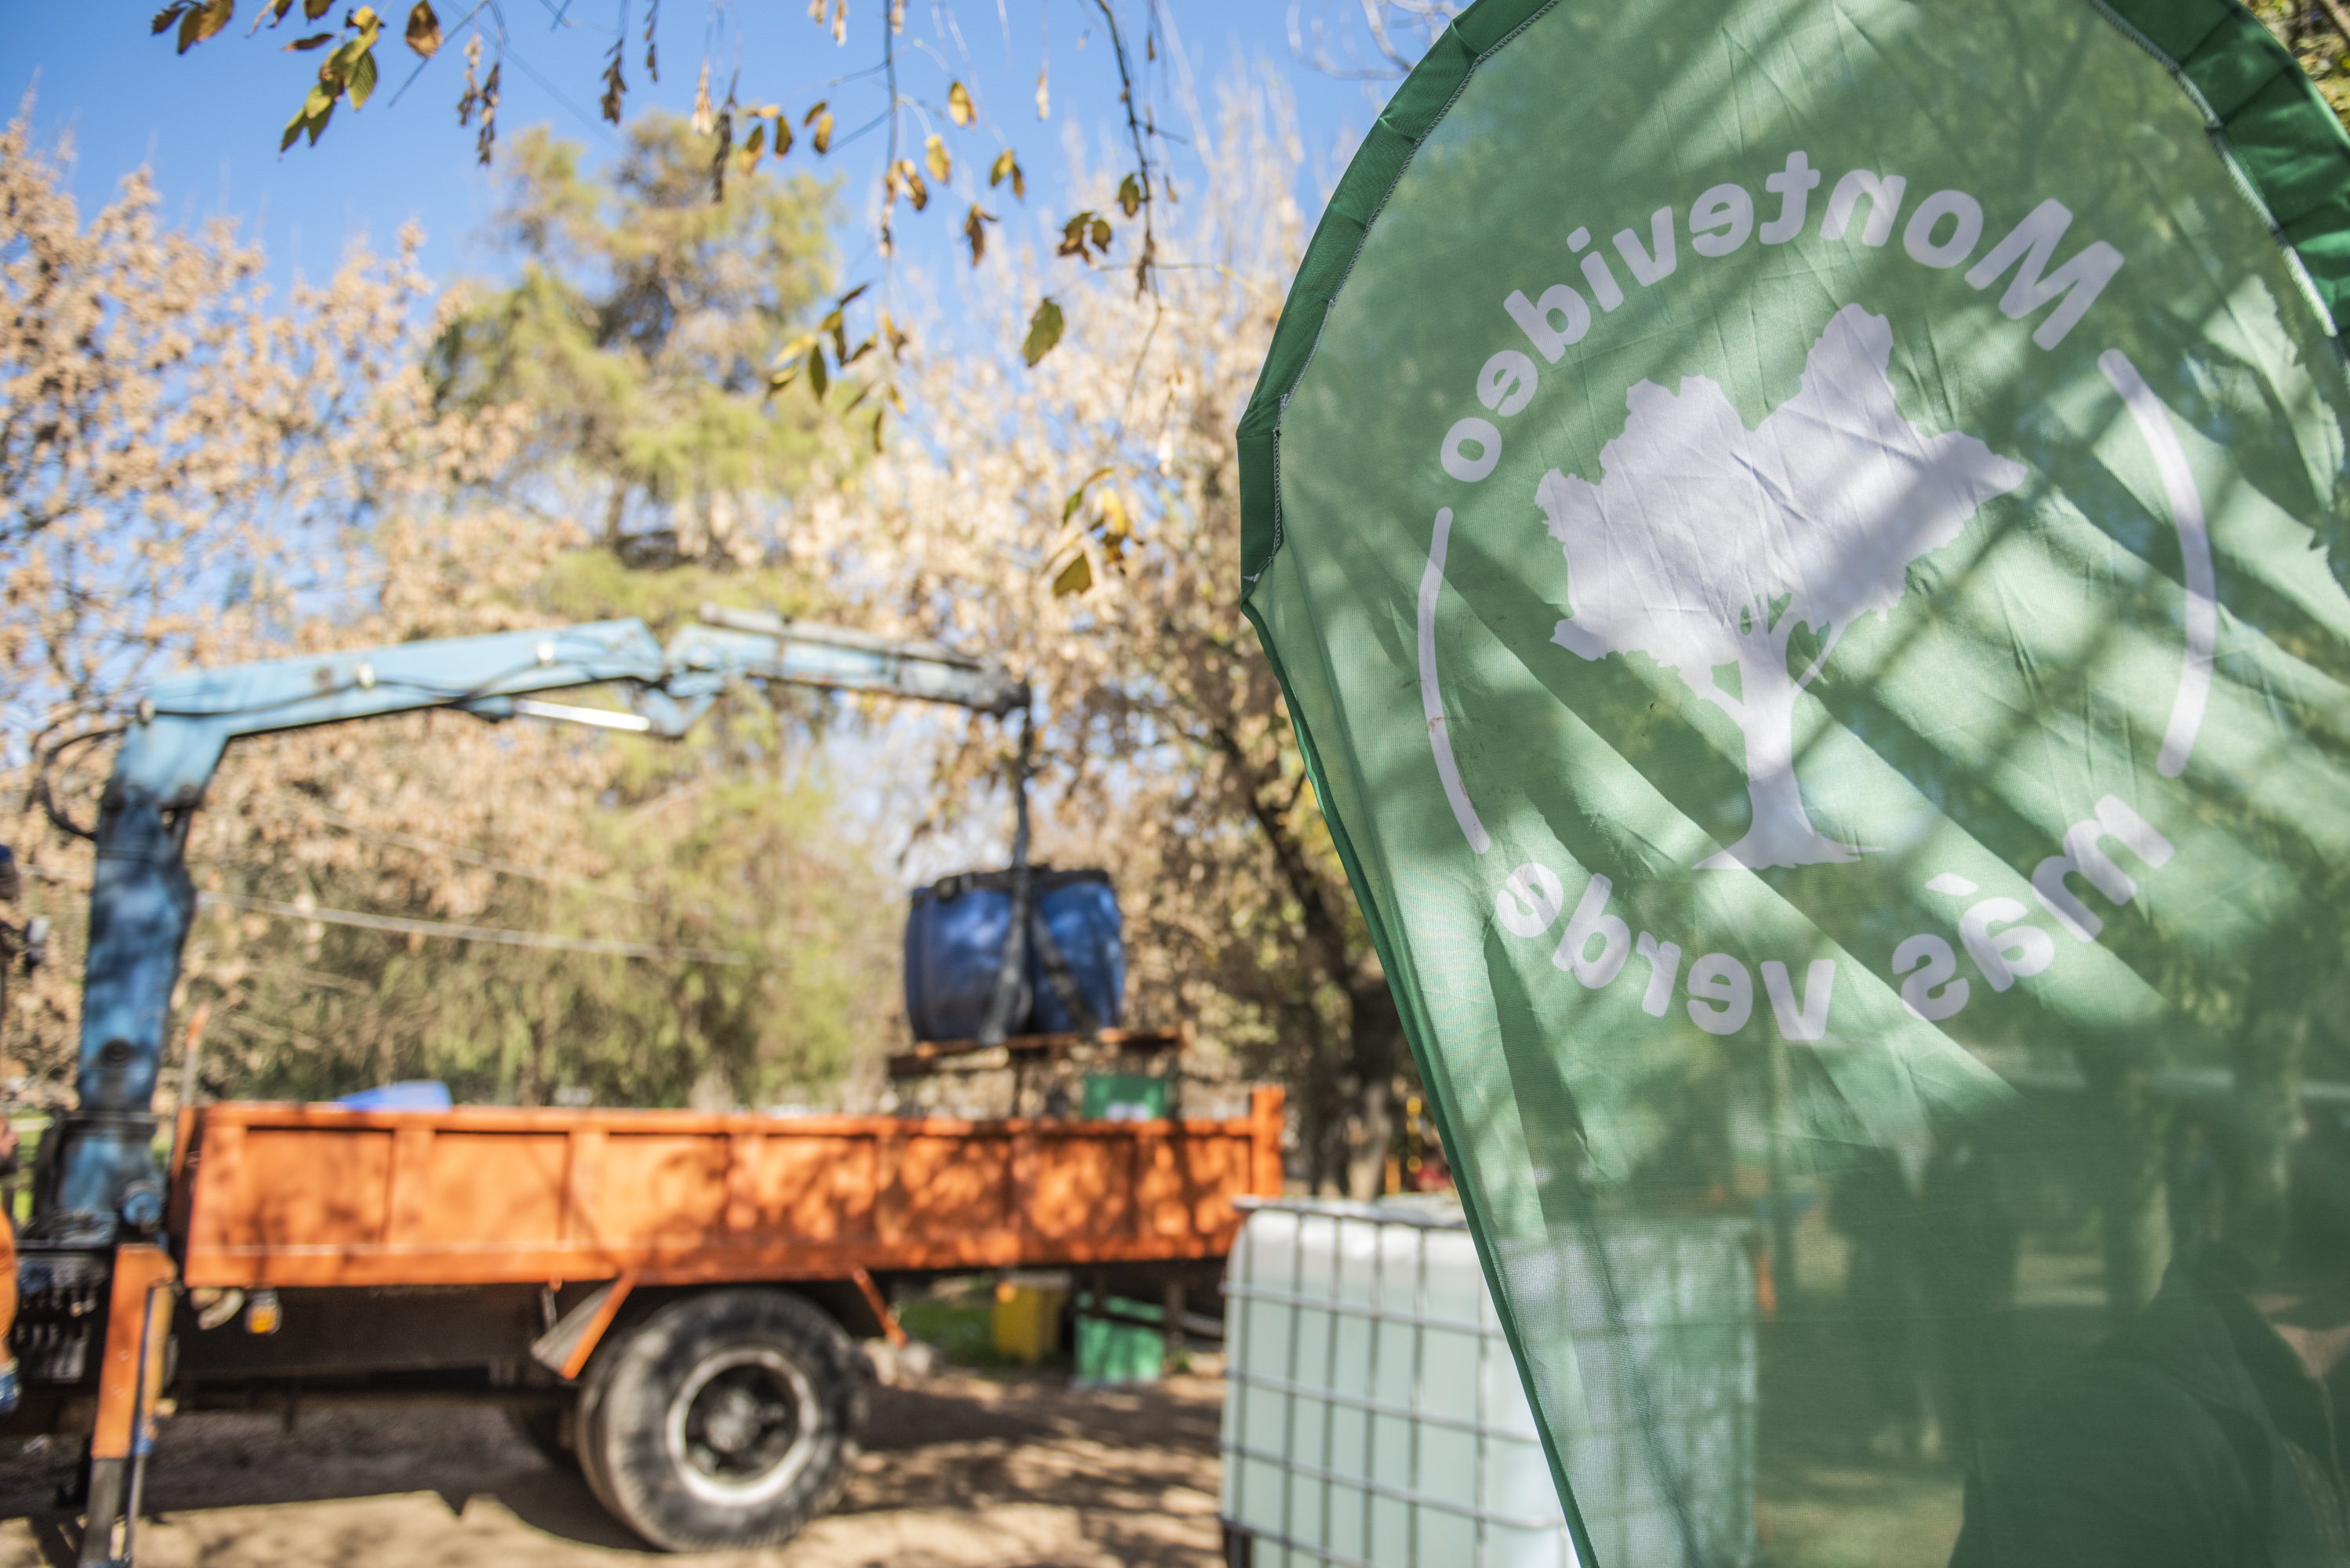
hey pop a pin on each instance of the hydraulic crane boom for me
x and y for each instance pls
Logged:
(98, 1179)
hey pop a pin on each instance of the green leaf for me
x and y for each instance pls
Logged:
(877, 429)
(315, 40)
(1008, 168)
(1077, 496)
(1043, 331)
(314, 9)
(200, 22)
(1129, 195)
(959, 108)
(167, 15)
(821, 137)
(858, 353)
(362, 80)
(846, 300)
(1073, 578)
(819, 382)
(1101, 236)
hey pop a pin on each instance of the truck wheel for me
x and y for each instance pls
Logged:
(725, 1420)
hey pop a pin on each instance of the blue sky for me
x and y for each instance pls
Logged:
(207, 123)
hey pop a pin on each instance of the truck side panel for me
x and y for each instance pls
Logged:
(286, 1194)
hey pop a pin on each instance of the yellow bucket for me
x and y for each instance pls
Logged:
(1028, 1317)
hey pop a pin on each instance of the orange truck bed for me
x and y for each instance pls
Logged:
(296, 1195)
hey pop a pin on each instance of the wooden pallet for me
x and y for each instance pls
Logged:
(929, 1056)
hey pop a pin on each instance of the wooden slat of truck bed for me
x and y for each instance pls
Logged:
(316, 1195)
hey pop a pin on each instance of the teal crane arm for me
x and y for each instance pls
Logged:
(99, 1177)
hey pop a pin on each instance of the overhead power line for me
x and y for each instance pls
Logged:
(471, 934)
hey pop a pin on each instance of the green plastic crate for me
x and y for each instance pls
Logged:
(1124, 1097)
(1127, 1347)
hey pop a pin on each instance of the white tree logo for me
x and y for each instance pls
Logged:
(1707, 543)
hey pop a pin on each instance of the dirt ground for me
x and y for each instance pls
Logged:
(958, 1472)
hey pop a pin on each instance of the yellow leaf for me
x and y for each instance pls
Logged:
(1073, 578)
(934, 153)
(822, 138)
(959, 108)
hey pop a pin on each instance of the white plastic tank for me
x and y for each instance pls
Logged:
(1374, 1416)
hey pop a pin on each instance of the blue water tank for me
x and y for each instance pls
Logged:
(954, 945)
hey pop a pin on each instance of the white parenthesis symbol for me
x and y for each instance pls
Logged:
(1431, 696)
(2194, 550)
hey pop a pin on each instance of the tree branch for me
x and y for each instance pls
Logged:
(1324, 933)
(1836, 630)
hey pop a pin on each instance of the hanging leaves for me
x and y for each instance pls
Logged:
(820, 118)
(903, 176)
(1087, 228)
(349, 72)
(482, 96)
(803, 355)
(934, 155)
(1008, 168)
(198, 19)
(1043, 331)
(975, 232)
(959, 108)
(615, 86)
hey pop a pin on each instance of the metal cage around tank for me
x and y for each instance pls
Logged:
(1374, 1417)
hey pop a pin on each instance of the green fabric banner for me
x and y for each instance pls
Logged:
(1802, 541)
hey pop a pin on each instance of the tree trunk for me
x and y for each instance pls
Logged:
(1374, 1030)
(2128, 1148)
(1781, 833)
(2265, 1116)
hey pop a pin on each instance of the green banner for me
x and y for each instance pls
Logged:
(1802, 539)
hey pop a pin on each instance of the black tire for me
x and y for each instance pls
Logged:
(725, 1420)
(548, 1431)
